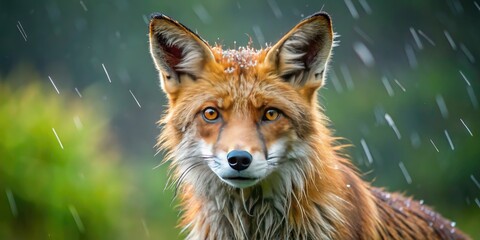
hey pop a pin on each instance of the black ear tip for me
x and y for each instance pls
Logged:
(157, 15)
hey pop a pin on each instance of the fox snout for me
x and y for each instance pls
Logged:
(239, 160)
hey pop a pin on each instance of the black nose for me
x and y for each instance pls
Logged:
(239, 160)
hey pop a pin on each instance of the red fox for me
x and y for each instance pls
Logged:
(250, 150)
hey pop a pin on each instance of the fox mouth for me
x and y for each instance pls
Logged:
(239, 178)
(240, 181)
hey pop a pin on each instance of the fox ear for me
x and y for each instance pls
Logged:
(301, 56)
(176, 50)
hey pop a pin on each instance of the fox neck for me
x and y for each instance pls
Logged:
(300, 204)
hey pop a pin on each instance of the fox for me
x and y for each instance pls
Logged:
(251, 152)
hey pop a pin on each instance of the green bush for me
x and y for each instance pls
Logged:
(73, 191)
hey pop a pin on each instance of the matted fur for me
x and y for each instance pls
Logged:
(306, 188)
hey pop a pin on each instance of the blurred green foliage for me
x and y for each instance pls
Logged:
(73, 187)
(71, 191)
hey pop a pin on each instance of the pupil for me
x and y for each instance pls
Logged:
(210, 113)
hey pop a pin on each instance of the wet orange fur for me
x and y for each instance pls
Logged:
(333, 199)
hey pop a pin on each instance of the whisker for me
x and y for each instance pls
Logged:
(195, 157)
(180, 179)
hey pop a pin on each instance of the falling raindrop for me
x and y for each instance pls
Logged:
(450, 40)
(392, 125)
(379, 113)
(83, 6)
(449, 139)
(22, 31)
(467, 53)
(477, 202)
(475, 181)
(387, 85)
(415, 140)
(476, 5)
(363, 34)
(347, 77)
(352, 9)
(412, 59)
(435, 146)
(400, 85)
(145, 19)
(145, 228)
(77, 122)
(429, 40)
(364, 53)
(58, 139)
(202, 13)
(416, 38)
(78, 92)
(106, 72)
(258, 34)
(135, 98)
(366, 150)
(405, 172)
(11, 202)
(442, 106)
(465, 78)
(472, 96)
(276, 10)
(468, 129)
(51, 80)
(77, 219)
(336, 83)
(365, 6)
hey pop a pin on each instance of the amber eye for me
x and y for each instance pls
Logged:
(271, 114)
(210, 114)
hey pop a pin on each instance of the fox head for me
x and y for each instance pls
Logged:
(243, 117)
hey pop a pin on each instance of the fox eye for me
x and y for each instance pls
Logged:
(210, 114)
(271, 114)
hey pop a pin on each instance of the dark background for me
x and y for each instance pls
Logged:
(415, 63)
